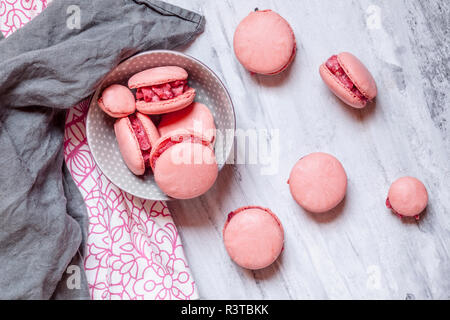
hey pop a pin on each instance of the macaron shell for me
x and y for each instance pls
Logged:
(264, 42)
(186, 170)
(149, 127)
(117, 101)
(294, 52)
(196, 118)
(358, 73)
(253, 237)
(318, 182)
(346, 95)
(155, 76)
(408, 196)
(166, 106)
(129, 146)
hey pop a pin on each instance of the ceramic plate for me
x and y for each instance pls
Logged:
(100, 127)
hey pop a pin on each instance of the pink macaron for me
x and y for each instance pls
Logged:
(136, 134)
(117, 101)
(407, 197)
(161, 90)
(349, 79)
(184, 164)
(253, 237)
(195, 118)
(264, 42)
(318, 182)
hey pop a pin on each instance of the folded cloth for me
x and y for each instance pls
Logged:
(47, 66)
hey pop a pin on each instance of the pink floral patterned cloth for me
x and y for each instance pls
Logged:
(133, 248)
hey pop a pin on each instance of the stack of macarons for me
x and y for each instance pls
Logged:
(180, 149)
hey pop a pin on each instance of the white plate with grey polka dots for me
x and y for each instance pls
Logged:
(100, 127)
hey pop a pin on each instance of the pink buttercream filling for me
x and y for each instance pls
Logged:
(142, 137)
(335, 68)
(162, 92)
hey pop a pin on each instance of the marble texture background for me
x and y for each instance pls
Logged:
(360, 250)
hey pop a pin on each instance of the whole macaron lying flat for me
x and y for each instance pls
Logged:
(184, 164)
(136, 134)
(318, 182)
(161, 90)
(407, 197)
(349, 79)
(253, 237)
(117, 101)
(196, 118)
(264, 42)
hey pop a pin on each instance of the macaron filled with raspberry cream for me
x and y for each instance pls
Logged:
(136, 134)
(161, 90)
(253, 237)
(349, 79)
(318, 182)
(407, 197)
(184, 164)
(264, 43)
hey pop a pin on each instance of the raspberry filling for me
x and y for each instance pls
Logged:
(389, 206)
(231, 215)
(388, 203)
(335, 68)
(142, 137)
(166, 144)
(162, 92)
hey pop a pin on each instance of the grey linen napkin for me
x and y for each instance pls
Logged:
(45, 67)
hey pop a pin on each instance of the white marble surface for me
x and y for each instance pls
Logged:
(360, 250)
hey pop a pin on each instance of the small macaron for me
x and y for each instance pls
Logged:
(348, 78)
(407, 197)
(184, 164)
(161, 90)
(196, 118)
(318, 182)
(264, 43)
(136, 134)
(117, 101)
(253, 237)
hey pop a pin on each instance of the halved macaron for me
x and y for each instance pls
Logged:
(318, 182)
(407, 197)
(349, 79)
(253, 237)
(136, 135)
(184, 164)
(264, 42)
(195, 118)
(161, 90)
(117, 101)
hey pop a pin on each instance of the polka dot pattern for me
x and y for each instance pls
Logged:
(100, 130)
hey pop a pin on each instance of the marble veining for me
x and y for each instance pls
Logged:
(359, 250)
